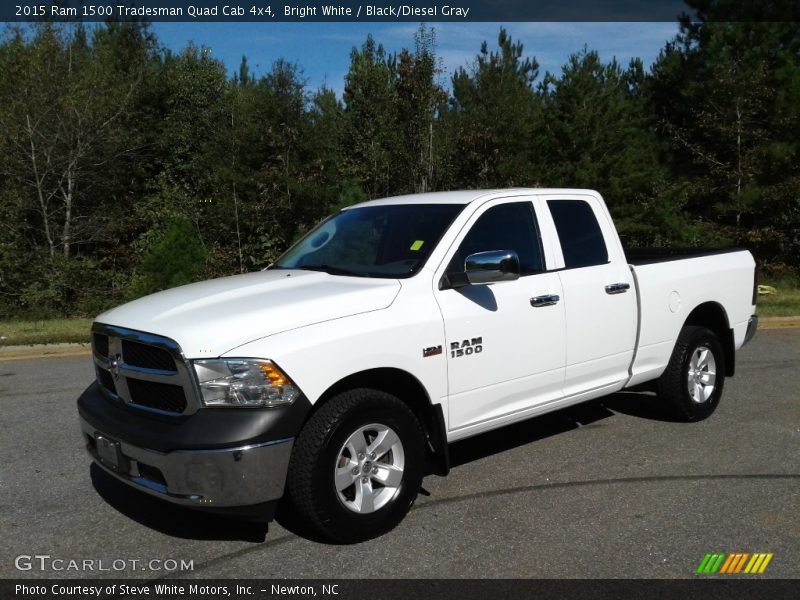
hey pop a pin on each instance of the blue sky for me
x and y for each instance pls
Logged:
(323, 49)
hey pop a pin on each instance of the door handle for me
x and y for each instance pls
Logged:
(617, 288)
(546, 300)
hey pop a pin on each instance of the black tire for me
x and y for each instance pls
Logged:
(316, 455)
(673, 385)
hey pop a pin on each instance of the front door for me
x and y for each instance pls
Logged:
(505, 340)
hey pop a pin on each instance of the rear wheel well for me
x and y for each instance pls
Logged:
(407, 388)
(713, 316)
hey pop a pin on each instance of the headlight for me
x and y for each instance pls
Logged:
(244, 382)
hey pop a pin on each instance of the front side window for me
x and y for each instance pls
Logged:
(509, 226)
(582, 242)
(391, 241)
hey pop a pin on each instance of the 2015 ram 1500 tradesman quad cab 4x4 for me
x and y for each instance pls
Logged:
(338, 375)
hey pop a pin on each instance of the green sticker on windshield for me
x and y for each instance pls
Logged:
(417, 245)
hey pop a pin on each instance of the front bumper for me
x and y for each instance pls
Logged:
(213, 478)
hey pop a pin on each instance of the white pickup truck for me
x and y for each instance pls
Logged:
(337, 376)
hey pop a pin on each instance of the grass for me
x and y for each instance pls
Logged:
(49, 331)
(784, 303)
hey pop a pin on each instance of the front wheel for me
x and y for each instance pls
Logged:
(693, 380)
(357, 465)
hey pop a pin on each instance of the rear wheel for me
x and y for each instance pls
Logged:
(693, 380)
(356, 466)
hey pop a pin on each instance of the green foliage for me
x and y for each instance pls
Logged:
(727, 97)
(370, 99)
(418, 99)
(175, 258)
(598, 133)
(127, 168)
(493, 118)
(352, 193)
(60, 286)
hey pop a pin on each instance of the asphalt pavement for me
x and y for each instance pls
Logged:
(612, 489)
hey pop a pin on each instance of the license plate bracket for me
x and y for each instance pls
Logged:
(109, 452)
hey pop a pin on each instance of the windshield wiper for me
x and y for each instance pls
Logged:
(332, 270)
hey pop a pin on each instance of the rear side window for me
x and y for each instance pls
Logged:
(510, 226)
(582, 241)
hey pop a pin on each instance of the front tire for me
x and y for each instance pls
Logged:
(357, 466)
(694, 378)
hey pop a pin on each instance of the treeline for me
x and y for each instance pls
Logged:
(127, 168)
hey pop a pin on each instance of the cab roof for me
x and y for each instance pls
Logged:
(465, 196)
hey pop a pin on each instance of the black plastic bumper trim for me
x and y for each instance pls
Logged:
(752, 327)
(207, 428)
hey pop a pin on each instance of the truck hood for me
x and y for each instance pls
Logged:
(212, 317)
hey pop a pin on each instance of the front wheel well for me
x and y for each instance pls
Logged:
(713, 316)
(410, 390)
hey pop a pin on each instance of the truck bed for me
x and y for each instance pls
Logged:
(671, 282)
(646, 256)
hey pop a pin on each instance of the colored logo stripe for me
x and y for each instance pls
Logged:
(727, 564)
(734, 562)
(711, 563)
(758, 563)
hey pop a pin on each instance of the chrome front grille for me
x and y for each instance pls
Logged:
(143, 370)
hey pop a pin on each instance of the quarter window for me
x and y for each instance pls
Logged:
(582, 242)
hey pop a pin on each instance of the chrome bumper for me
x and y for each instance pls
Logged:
(225, 477)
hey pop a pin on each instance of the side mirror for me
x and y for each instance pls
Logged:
(492, 266)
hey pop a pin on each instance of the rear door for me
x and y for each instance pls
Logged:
(599, 294)
(505, 345)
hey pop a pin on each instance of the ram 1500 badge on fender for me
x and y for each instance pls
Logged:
(336, 377)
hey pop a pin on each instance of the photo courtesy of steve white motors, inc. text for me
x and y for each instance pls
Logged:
(167, 589)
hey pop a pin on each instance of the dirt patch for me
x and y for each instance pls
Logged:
(42, 351)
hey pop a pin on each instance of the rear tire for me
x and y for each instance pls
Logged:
(694, 378)
(356, 466)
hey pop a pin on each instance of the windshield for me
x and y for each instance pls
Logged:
(374, 241)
